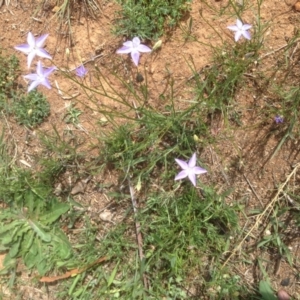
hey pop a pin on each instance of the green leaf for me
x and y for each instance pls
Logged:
(266, 291)
(59, 210)
(30, 199)
(265, 240)
(9, 236)
(46, 237)
(61, 244)
(42, 267)
(112, 276)
(9, 262)
(10, 226)
(7, 214)
(31, 258)
(14, 250)
(28, 240)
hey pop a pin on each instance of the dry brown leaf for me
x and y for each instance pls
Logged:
(78, 188)
(56, 9)
(73, 272)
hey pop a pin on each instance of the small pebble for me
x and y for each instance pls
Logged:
(139, 77)
(285, 282)
(297, 6)
(106, 216)
(283, 295)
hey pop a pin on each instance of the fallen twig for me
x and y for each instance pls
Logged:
(138, 232)
(253, 190)
(276, 50)
(87, 61)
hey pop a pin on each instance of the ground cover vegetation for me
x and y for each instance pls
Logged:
(174, 227)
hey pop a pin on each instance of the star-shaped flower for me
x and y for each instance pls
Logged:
(278, 119)
(40, 77)
(81, 71)
(134, 47)
(240, 30)
(34, 47)
(189, 169)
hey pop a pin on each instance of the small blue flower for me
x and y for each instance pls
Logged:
(40, 77)
(189, 169)
(278, 119)
(240, 29)
(81, 71)
(34, 47)
(134, 47)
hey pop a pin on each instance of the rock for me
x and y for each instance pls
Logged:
(283, 295)
(285, 282)
(297, 6)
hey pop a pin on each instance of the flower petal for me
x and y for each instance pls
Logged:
(136, 41)
(124, 50)
(182, 164)
(30, 39)
(33, 85)
(48, 71)
(247, 26)
(32, 77)
(30, 57)
(81, 71)
(25, 48)
(43, 53)
(41, 40)
(143, 48)
(199, 170)
(233, 27)
(128, 44)
(192, 161)
(46, 83)
(135, 55)
(192, 178)
(181, 175)
(247, 35)
(237, 36)
(239, 23)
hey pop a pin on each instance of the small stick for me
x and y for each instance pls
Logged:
(276, 50)
(136, 111)
(138, 232)
(37, 20)
(61, 94)
(87, 61)
(253, 190)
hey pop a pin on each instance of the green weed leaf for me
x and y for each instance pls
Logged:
(266, 291)
(52, 216)
(46, 237)
(112, 276)
(14, 250)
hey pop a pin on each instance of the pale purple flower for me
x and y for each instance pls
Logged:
(81, 71)
(240, 30)
(34, 47)
(189, 169)
(134, 47)
(278, 119)
(40, 77)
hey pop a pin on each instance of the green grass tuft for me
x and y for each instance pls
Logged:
(149, 19)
